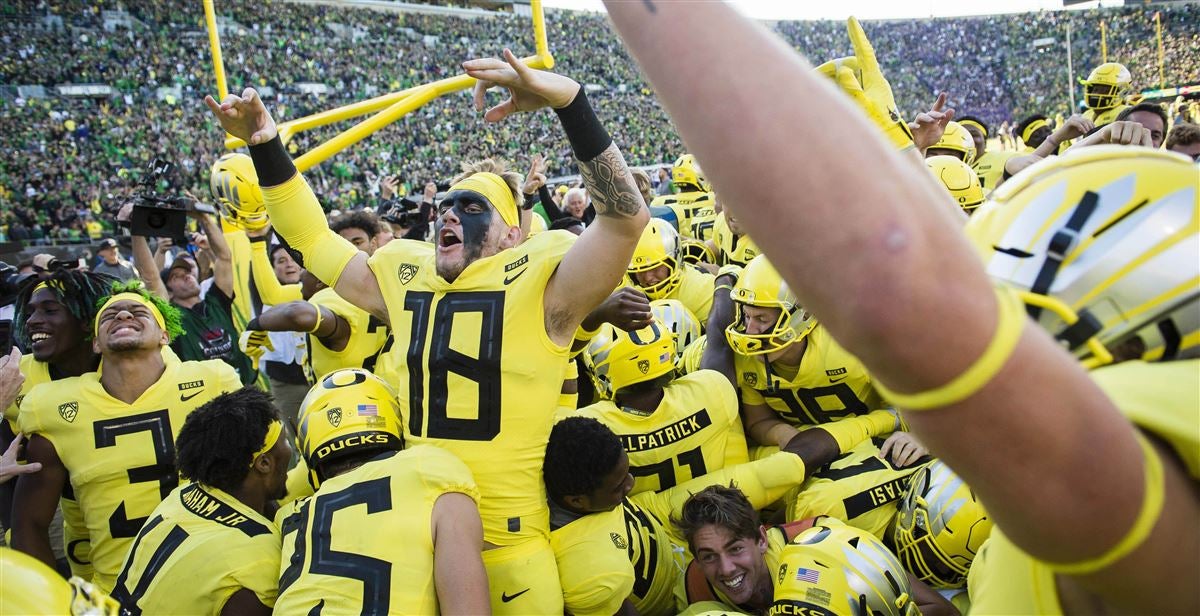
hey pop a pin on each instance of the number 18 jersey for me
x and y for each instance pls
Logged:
(120, 457)
(477, 374)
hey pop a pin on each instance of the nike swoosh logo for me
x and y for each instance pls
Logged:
(185, 398)
(508, 279)
(838, 380)
(505, 597)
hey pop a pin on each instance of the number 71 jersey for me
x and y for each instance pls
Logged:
(120, 457)
(476, 373)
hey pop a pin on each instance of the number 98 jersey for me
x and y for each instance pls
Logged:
(363, 544)
(120, 457)
(477, 374)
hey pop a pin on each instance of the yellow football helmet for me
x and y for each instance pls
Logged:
(940, 527)
(679, 321)
(761, 286)
(597, 350)
(620, 358)
(958, 178)
(686, 173)
(1106, 86)
(696, 251)
(30, 587)
(348, 411)
(958, 140)
(234, 184)
(659, 246)
(1102, 244)
(848, 568)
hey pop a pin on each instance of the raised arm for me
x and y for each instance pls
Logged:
(269, 288)
(294, 210)
(902, 274)
(222, 255)
(592, 267)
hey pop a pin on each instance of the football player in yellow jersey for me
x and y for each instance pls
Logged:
(790, 371)
(610, 548)
(838, 570)
(389, 530)
(989, 164)
(673, 429)
(484, 322)
(692, 210)
(340, 334)
(210, 547)
(657, 268)
(110, 434)
(1104, 92)
(53, 320)
(1112, 525)
(729, 243)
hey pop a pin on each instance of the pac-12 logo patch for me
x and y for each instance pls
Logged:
(750, 378)
(68, 411)
(334, 415)
(618, 540)
(644, 365)
(406, 272)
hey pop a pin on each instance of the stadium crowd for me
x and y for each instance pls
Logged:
(864, 360)
(988, 64)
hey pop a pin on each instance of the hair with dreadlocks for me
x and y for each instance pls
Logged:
(170, 313)
(79, 292)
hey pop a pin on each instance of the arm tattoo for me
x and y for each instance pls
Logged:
(610, 184)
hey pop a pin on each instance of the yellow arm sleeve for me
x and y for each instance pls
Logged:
(269, 288)
(851, 431)
(297, 216)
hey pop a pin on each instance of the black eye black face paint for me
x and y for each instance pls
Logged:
(474, 214)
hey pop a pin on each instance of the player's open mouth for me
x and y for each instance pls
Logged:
(39, 336)
(447, 238)
(735, 583)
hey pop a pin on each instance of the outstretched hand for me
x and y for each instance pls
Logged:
(929, 126)
(244, 117)
(10, 467)
(860, 77)
(528, 89)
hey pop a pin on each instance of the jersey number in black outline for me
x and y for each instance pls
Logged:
(692, 458)
(170, 543)
(158, 424)
(443, 360)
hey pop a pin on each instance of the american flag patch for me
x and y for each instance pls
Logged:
(812, 576)
(368, 409)
(665, 358)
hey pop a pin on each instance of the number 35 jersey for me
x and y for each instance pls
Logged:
(363, 544)
(120, 457)
(477, 374)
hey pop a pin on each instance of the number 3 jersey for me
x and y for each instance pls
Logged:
(363, 544)
(477, 374)
(829, 384)
(120, 457)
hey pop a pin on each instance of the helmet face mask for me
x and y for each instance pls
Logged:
(659, 246)
(939, 527)
(348, 412)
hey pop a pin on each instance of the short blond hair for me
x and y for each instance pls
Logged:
(500, 168)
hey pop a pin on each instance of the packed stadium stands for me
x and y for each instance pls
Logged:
(64, 157)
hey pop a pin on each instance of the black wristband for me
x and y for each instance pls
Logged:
(254, 325)
(530, 201)
(272, 163)
(587, 136)
(261, 238)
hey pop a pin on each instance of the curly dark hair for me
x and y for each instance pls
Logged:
(81, 293)
(581, 452)
(170, 314)
(718, 505)
(363, 220)
(218, 440)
